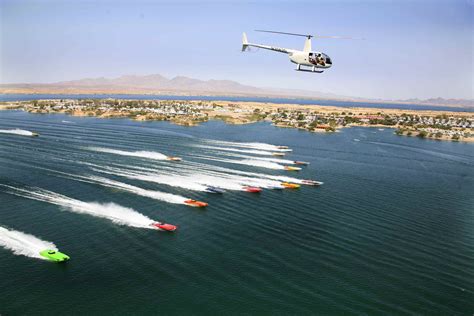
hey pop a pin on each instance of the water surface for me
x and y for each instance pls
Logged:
(390, 231)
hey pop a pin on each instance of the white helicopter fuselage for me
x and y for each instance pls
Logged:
(310, 59)
(318, 61)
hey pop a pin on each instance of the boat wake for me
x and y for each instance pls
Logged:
(276, 160)
(250, 162)
(261, 146)
(24, 244)
(174, 180)
(245, 151)
(140, 154)
(21, 132)
(190, 179)
(157, 195)
(247, 174)
(117, 214)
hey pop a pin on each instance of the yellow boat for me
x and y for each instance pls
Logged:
(290, 185)
(278, 154)
(292, 168)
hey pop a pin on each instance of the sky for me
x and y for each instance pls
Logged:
(412, 49)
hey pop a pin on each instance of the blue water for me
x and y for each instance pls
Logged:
(389, 232)
(26, 97)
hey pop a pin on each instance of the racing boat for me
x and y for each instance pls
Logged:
(311, 182)
(54, 255)
(282, 147)
(195, 203)
(290, 185)
(288, 168)
(303, 163)
(211, 189)
(164, 226)
(278, 154)
(34, 134)
(252, 189)
(173, 158)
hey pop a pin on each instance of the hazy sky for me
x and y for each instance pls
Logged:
(412, 49)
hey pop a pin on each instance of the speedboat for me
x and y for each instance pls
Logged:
(278, 154)
(34, 134)
(282, 147)
(252, 189)
(288, 168)
(174, 158)
(54, 255)
(311, 182)
(211, 189)
(195, 203)
(164, 226)
(303, 163)
(290, 185)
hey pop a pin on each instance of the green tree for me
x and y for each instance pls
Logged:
(422, 134)
(399, 131)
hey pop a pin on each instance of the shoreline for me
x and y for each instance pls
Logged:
(172, 93)
(430, 124)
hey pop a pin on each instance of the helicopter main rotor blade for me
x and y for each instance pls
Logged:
(310, 35)
(286, 33)
(339, 37)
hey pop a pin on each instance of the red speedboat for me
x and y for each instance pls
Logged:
(196, 203)
(252, 189)
(164, 226)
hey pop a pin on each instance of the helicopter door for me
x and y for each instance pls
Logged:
(312, 58)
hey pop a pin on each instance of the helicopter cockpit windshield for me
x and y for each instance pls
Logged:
(319, 59)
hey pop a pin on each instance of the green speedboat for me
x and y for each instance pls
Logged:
(53, 255)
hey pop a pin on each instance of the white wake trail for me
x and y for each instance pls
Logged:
(111, 211)
(140, 154)
(250, 162)
(174, 180)
(246, 151)
(261, 146)
(223, 170)
(197, 180)
(24, 244)
(21, 132)
(157, 195)
(276, 160)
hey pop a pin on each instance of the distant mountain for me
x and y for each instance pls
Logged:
(441, 101)
(180, 85)
(157, 84)
(152, 84)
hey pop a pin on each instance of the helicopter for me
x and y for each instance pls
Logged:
(317, 61)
